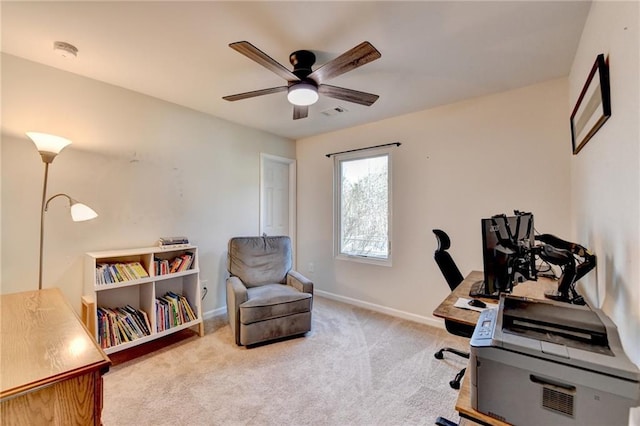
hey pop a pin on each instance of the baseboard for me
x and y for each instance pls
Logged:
(355, 302)
(382, 309)
(214, 313)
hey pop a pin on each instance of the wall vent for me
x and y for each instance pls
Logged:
(334, 111)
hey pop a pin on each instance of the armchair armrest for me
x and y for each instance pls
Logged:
(236, 295)
(298, 281)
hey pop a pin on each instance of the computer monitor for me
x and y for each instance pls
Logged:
(508, 258)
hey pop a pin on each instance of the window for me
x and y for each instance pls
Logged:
(362, 188)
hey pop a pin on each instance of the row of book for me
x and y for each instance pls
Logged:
(172, 310)
(177, 264)
(111, 273)
(121, 325)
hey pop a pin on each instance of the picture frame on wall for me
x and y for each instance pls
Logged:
(593, 107)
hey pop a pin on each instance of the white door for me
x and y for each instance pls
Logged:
(277, 196)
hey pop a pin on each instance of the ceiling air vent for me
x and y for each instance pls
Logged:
(334, 111)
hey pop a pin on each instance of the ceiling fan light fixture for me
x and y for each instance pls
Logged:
(303, 83)
(303, 94)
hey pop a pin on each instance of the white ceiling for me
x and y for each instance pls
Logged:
(433, 53)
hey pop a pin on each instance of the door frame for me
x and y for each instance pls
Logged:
(291, 163)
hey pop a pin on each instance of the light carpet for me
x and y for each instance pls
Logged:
(355, 367)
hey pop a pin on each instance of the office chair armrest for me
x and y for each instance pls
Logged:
(298, 281)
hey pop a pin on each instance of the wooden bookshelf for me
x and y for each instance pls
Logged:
(105, 290)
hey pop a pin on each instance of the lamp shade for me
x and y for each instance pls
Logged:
(81, 212)
(303, 94)
(48, 145)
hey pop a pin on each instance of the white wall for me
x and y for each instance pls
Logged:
(457, 164)
(148, 167)
(606, 173)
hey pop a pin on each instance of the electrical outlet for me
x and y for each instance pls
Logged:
(311, 268)
(205, 290)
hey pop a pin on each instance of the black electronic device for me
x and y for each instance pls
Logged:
(507, 253)
(476, 303)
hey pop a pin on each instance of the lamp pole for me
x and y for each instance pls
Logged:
(44, 198)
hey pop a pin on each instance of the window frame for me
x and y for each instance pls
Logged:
(337, 204)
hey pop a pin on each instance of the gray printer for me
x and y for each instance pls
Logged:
(537, 362)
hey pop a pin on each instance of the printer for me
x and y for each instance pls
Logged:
(542, 362)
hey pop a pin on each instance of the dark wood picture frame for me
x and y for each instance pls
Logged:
(593, 107)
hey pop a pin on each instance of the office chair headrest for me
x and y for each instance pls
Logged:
(444, 243)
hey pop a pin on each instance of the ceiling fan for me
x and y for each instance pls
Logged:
(304, 85)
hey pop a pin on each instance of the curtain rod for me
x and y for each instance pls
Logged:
(362, 149)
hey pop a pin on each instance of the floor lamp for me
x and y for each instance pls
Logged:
(49, 146)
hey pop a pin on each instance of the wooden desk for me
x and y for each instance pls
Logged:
(50, 367)
(446, 310)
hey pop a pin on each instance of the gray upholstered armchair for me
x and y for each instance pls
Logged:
(265, 299)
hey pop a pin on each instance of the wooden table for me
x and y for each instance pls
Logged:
(446, 310)
(50, 367)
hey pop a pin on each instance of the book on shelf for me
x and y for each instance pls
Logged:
(122, 272)
(174, 246)
(185, 262)
(172, 243)
(177, 264)
(138, 269)
(138, 319)
(121, 325)
(172, 310)
(160, 266)
(115, 275)
(173, 240)
(111, 273)
(174, 265)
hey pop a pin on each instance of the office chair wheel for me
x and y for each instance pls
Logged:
(439, 354)
(454, 384)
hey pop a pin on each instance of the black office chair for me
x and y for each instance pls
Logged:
(454, 278)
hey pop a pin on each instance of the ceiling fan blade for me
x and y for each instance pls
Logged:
(300, 112)
(255, 93)
(349, 95)
(257, 55)
(351, 59)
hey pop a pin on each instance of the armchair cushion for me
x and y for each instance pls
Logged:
(270, 301)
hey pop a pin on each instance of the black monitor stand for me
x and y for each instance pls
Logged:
(479, 289)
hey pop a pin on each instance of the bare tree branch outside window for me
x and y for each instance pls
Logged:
(365, 207)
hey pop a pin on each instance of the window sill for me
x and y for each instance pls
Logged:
(364, 259)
